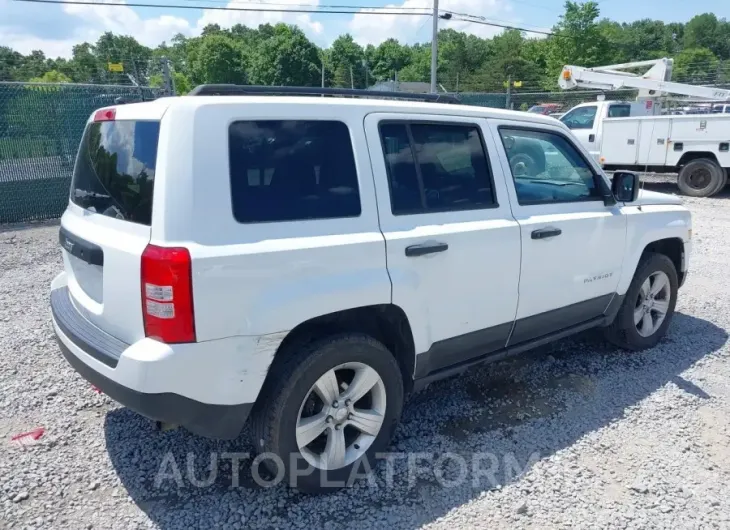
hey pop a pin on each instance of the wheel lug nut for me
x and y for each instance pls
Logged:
(335, 404)
(349, 416)
(348, 402)
(329, 419)
(338, 427)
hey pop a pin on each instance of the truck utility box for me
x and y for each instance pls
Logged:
(663, 140)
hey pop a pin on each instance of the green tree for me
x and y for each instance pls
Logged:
(10, 60)
(578, 40)
(134, 57)
(217, 59)
(52, 76)
(419, 65)
(84, 66)
(33, 65)
(388, 58)
(695, 66)
(345, 57)
(287, 58)
(706, 31)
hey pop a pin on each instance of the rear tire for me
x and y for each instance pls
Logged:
(648, 306)
(702, 177)
(292, 409)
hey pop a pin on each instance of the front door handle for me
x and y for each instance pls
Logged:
(544, 233)
(425, 248)
(591, 138)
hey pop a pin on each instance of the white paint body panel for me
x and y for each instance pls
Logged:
(454, 292)
(253, 283)
(222, 372)
(557, 272)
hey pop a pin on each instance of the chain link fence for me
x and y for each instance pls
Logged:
(40, 130)
(41, 126)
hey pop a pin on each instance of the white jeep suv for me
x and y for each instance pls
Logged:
(310, 261)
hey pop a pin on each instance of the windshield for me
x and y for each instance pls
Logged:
(536, 108)
(115, 169)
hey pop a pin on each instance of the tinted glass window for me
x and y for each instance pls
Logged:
(580, 118)
(547, 167)
(292, 170)
(115, 169)
(435, 167)
(619, 111)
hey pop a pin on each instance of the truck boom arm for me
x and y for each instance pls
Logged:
(655, 82)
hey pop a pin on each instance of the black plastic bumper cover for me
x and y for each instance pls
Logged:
(212, 421)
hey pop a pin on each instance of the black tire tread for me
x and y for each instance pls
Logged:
(717, 176)
(616, 331)
(273, 396)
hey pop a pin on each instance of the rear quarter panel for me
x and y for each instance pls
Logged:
(261, 278)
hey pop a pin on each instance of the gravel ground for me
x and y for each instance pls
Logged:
(578, 435)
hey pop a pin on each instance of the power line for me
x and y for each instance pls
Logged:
(227, 8)
(482, 21)
(330, 11)
(317, 6)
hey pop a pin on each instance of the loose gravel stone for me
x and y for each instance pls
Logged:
(576, 435)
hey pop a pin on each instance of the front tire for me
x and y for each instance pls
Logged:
(648, 306)
(327, 411)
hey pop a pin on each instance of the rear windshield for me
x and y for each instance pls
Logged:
(115, 169)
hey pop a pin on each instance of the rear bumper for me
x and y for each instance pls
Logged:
(208, 387)
(212, 421)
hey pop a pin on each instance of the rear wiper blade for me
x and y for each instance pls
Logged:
(82, 194)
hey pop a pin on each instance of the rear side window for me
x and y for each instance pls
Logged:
(292, 170)
(115, 169)
(435, 167)
(619, 111)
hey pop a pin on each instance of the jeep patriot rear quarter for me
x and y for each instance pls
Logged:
(310, 261)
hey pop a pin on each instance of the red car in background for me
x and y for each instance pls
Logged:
(545, 108)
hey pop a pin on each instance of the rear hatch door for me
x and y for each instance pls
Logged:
(106, 226)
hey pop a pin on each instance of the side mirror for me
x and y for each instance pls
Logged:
(625, 186)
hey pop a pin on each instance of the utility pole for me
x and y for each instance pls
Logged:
(509, 92)
(434, 45)
(322, 72)
(168, 82)
(352, 79)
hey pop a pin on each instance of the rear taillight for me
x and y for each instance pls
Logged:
(108, 114)
(167, 294)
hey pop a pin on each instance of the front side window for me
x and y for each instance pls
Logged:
(547, 167)
(288, 170)
(580, 118)
(435, 167)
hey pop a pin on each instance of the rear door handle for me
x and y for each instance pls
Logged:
(591, 137)
(425, 248)
(543, 233)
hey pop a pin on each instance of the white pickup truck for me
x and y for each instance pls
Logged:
(310, 261)
(627, 135)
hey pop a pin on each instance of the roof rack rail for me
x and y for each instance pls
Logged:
(245, 90)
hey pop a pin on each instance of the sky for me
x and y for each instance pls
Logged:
(54, 29)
